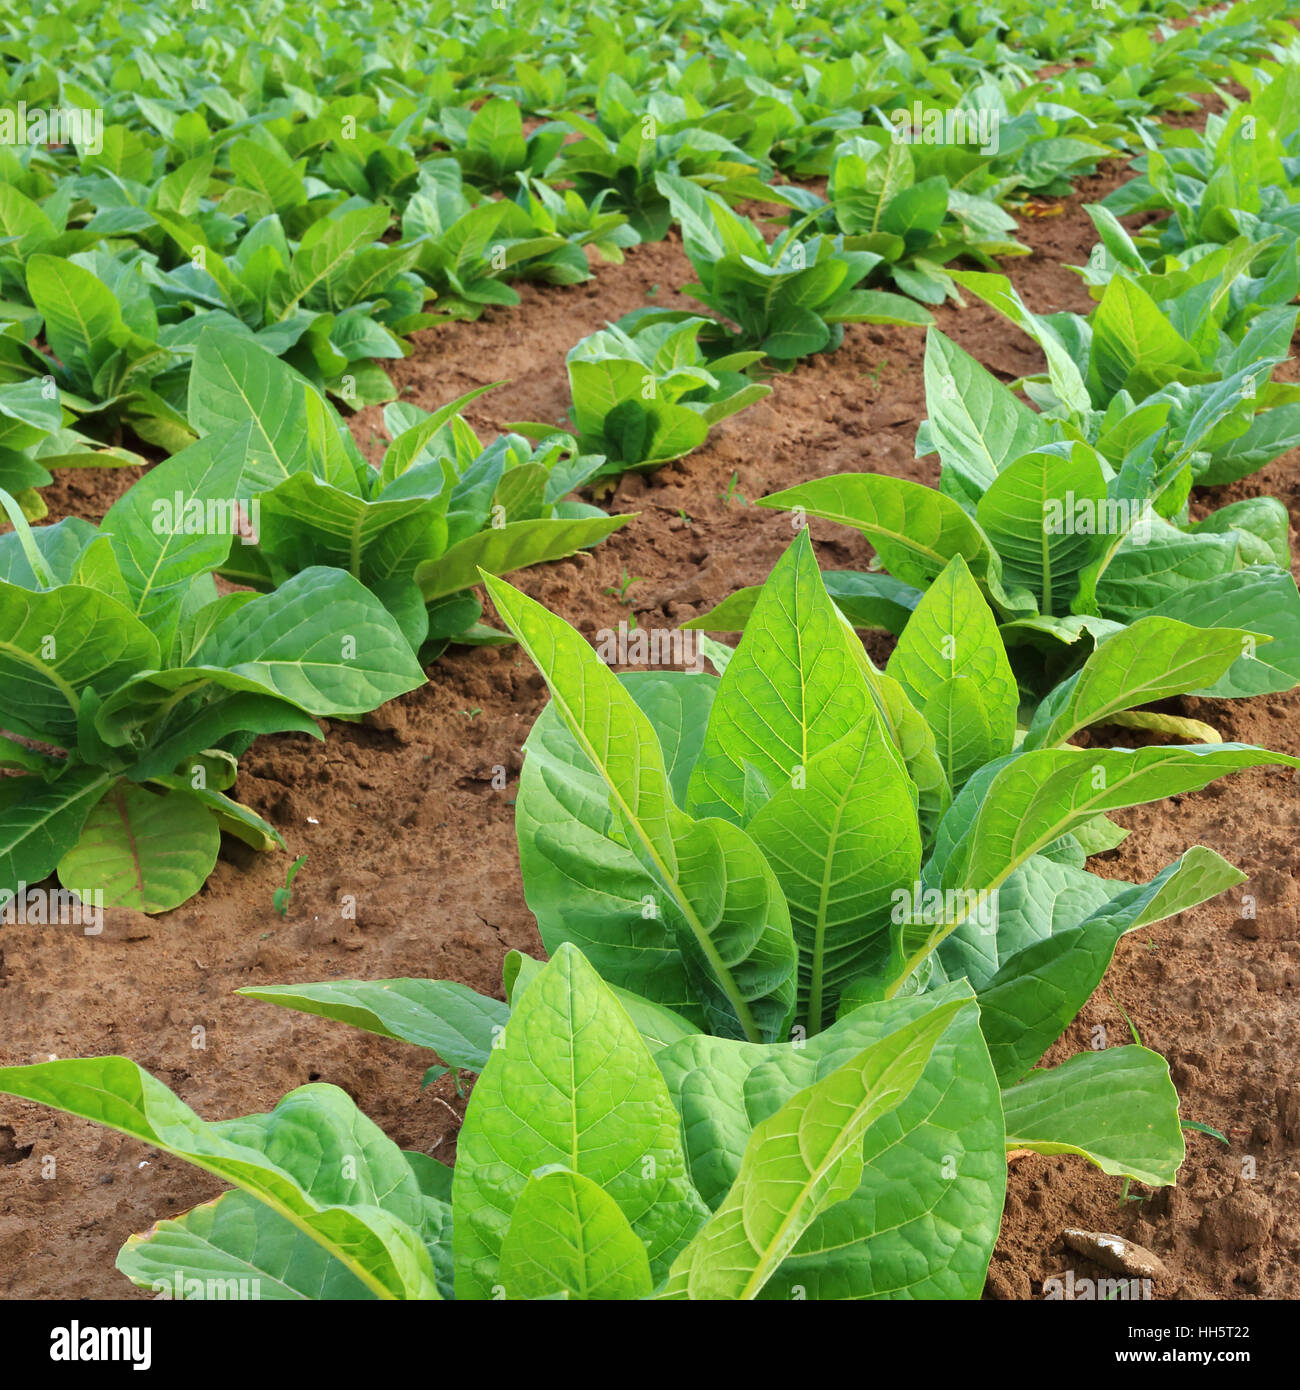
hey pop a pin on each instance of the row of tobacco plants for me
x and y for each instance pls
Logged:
(811, 923)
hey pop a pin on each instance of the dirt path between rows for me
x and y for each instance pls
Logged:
(400, 811)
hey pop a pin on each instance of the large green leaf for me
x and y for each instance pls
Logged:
(235, 382)
(449, 1018)
(571, 1084)
(1261, 599)
(1134, 346)
(916, 531)
(40, 821)
(792, 689)
(711, 887)
(321, 640)
(232, 1248)
(953, 667)
(1030, 514)
(802, 1161)
(925, 1214)
(1036, 992)
(177, 521)
(142, 850)
(1035, 797)
(1042, 897)
(977, 424)
(840, 844)
(1150, 659)
(56, 644)
(82, 318)
(581, 880)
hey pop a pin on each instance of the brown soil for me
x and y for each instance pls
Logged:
(400, 812)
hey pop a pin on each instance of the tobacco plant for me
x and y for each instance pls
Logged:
(129, 687)
(1067, 539)
(645, 392)
(416, 529)
(571, 1181)
(772, 867)
(790, 299)
(915, 225)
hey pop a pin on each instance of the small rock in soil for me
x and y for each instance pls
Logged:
(1115, 1253)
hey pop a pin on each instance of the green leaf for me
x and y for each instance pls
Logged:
(1261, 599)
(792, 689)
(144, 851)
(569, 1238)
(1117, 1108)
(659, 1027)
(953, 667)
(800, 1162)
(57, 644)
(840, 844)
(977, 424)
(916, 531)
(719, 896)
(1029, 515)
(517, 544)
(321, 640)
(1149, 660)
(449, 1018)
(572, 1084)
(581, 880)
(234, 1248)
(1037, 992)
(235, 382)
(1134, 346)
(40, 821)
(178, 521)
(82, 318)
(924, 1218)
(1035, 797)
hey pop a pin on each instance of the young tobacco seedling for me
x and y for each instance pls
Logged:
(645, 393)
(280, 899)
(787, 300)
(571, 1179)
(140, 686)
